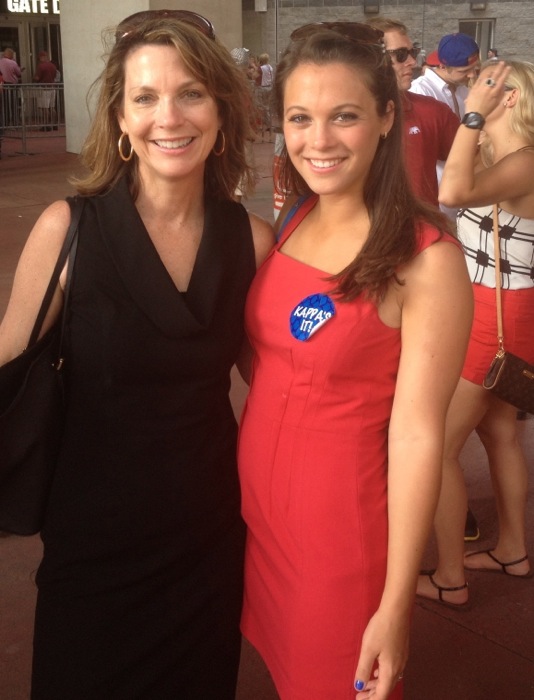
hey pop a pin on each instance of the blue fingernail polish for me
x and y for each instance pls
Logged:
(359, 685)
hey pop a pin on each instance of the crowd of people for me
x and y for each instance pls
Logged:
(169, 533)
(260, 74)
(11, 101)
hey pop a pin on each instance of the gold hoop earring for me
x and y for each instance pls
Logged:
(123, 157)
(384, 135)
(221, 150)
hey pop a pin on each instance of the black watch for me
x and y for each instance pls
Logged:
(473, 120)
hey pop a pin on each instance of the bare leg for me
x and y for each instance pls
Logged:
(509, 475)
(466, 410)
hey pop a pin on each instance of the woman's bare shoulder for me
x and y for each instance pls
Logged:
(51, 226)
(32, 276)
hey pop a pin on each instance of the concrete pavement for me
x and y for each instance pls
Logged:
(486, 652)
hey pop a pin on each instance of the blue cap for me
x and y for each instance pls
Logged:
(458, 50)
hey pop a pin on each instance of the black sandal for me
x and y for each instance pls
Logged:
(443, 589)
(502, 564)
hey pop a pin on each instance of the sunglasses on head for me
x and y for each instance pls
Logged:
(401, 55)
(128, 25)
(360, 33)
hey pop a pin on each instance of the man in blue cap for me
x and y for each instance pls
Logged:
(459, 61)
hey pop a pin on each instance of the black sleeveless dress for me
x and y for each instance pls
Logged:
(141, 582)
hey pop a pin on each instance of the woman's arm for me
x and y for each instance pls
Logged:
(436, 320)
(510, 177)
(31, 280)
(263, 236)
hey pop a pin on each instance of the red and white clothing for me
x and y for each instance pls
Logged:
(433, 85)
(475, 231)
(429, 130)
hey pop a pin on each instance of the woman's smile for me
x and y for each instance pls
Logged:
(173, 144)
(325, 164)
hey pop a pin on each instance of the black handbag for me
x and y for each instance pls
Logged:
(32, 408)
(509, 377)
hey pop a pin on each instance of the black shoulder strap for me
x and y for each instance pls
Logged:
(76, 207)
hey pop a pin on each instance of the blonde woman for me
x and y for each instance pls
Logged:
(501, 103)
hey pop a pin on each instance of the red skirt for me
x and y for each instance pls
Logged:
(518, 318)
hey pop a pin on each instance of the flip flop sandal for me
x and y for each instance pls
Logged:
(443, 589)
(502, 564)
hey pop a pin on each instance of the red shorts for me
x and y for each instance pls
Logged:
(518, 318)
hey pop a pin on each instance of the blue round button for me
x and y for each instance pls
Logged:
(311, 314)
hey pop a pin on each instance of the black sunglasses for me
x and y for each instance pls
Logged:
(355, 31)
(130, 23)
(401, 55)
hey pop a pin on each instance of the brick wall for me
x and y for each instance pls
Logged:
(427, 21)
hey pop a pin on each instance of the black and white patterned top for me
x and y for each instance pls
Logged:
(516, 236)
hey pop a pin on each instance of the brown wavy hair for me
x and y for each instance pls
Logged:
(394, 211)
(210, 63)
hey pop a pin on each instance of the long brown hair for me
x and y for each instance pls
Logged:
(210, 63)
(394, 211)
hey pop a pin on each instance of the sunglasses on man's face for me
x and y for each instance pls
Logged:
(360, 33)
(401, 55)
(128, 25)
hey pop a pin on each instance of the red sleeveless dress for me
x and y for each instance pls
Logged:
(313, 464)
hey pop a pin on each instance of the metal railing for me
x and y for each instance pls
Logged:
(31, 110)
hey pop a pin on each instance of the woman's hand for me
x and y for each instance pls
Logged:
(488, 89)
(385, 642)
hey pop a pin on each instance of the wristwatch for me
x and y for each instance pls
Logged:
(473, 120)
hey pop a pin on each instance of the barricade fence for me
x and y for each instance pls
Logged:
(31, 110)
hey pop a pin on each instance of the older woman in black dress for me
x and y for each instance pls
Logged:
(140, 584)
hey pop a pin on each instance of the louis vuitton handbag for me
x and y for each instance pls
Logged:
(509, 377)
(32, 408)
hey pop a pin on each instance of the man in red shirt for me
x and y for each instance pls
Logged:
(429, 125)
(46, 70)
(46, 73)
